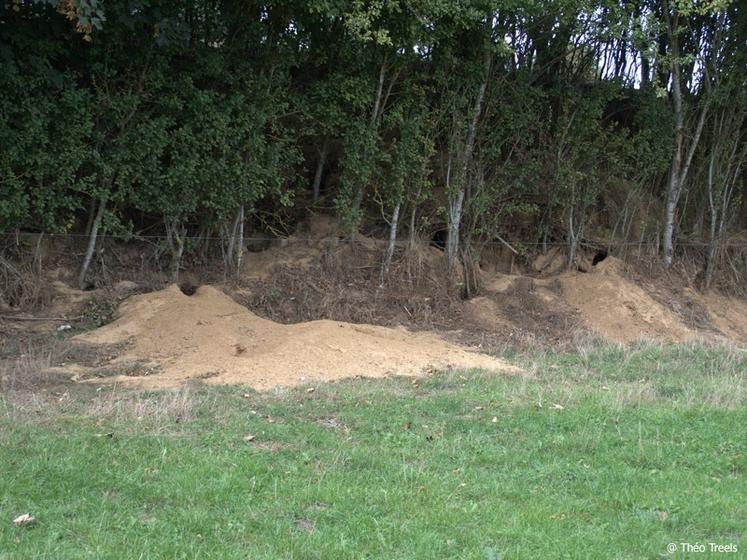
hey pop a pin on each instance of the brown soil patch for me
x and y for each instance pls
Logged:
(552, 262)
(728, 315)
(519, 310)
(211, 337)
(484, 313)
(618, 309)
(534, 308)
(295, 254)
(340, 281)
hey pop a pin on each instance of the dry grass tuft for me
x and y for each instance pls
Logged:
(23, 286)
(167, 406)
(29, 368)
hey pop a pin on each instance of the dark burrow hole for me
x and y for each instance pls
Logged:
(599, 257)
(188, 289)
(438, 239)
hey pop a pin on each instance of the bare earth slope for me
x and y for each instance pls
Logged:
(209, 336)
(607, 302)
(618, 309)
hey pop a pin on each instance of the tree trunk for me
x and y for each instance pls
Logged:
(455, 218)
(319, 170)
(669, 215)
(175, 234)
(93, 236)
(240, 240)
(680, 162)
(413, 214)
(375, 113)
(572, 241)
(379, 93)
(645, 71)
(679, 168)
(720, 201)
(391, 243)
(456, 204)
(231, 250)
(91, 216)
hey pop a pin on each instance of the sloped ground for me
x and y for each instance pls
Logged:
(605, 302)
(618, 309)
(170, 337)
(314, 310)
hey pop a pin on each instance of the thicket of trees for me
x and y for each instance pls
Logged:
(198, 118)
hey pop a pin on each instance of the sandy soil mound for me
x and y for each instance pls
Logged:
(211, 337)
(618, 309)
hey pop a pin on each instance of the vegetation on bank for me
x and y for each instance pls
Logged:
(489, 120)
(598, 453)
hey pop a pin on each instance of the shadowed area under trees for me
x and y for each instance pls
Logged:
(484, 122)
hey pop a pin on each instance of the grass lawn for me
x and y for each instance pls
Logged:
(602, 453)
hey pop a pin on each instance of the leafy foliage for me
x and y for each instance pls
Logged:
(176, 114)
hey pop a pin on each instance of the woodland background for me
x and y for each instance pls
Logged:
(522, 123)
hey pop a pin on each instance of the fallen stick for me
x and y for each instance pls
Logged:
(507, 244)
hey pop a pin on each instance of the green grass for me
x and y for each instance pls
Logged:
(602, 453)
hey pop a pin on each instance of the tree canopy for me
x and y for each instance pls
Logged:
(486, 118)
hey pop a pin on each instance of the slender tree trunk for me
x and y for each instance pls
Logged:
(669, 219)
(240, 240)
(319, 170)
(231, 250)
(456, 203)
(92, 238)
(712, 241)
(645, 71)
(452, 239)
(37, 263)
(413, 214)
(375, 113)
(720, 201)
(175, 234)
(681, 161)
(572, 241)
(576, 232)
(391, 243)
(91, 216)
(713, 247)
(379, 95)
(680, 167)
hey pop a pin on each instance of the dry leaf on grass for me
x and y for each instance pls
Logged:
(25, 519)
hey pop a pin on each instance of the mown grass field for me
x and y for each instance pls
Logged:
(601, 453)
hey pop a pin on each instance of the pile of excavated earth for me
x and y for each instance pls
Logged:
(615, 308)
(166, 337)
(210, 337)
